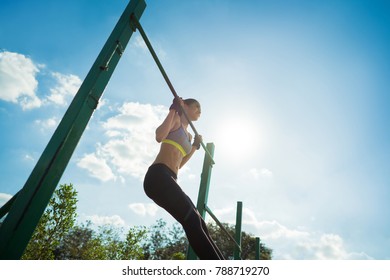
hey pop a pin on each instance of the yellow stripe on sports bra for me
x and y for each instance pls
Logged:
(178, 146)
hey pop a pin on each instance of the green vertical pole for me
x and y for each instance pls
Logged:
(237, 251)
(5, 208)
(257, 248)
(203, 190)
(204, 187)
(29, 205)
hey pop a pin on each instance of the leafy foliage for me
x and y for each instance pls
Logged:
(165, 243)
(55, 223)
(247, 243)
(106, 243)
(58, 237)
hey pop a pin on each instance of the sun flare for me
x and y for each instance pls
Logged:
(237, 139)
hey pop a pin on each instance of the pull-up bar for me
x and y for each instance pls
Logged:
(135, 20)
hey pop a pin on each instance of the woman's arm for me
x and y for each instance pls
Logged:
(173, 117)
(187, 157)
(195, 146)
(163, 130)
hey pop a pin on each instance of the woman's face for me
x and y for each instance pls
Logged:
(193, 111)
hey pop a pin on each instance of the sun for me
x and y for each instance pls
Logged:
(237, 138)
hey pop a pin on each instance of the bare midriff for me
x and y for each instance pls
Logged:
(170, 156)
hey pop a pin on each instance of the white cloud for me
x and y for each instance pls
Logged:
(297, 244)
(97, 167)
(66, 87)
(192, 176)
(266, 173)
(131, 145)
(257, 174)
(292, 244)
(28, 157)
(4, 197)
(114, 220)
(48, 124)
(139, 43)
(143, 209)
(18, 83)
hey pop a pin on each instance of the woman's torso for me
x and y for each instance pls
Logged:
(176, 145)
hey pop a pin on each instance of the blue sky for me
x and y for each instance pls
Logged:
(294, 96)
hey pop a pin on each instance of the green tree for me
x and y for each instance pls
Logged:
(58, 218)
(80, 243)
(57, 237)
(133, 249)
(165, 243)
(105, 243)
(247, 243)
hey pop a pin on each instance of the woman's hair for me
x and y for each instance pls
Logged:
(190, 101)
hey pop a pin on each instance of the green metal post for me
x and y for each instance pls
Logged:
(29, 205)
(203, 190)
(257, 248)
(237, 251)
(203, 194)
(5, 208)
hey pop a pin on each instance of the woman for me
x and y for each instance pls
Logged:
(160, 180)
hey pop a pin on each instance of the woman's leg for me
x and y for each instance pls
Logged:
(161, 186)
(205, 229)
(198, 235)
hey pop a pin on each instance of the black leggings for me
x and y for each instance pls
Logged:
(161, 186)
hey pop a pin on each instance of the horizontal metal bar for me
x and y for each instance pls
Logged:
(222, 227)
